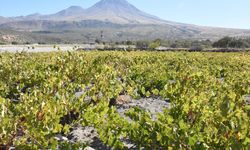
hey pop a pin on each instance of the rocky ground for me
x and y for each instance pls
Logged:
(89, 135)
(248, 99)
(151, 105)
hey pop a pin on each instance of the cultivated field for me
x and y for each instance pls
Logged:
(124, 100)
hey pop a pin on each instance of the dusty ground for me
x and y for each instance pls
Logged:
(39, 48)
(50, 48)
(89, 135)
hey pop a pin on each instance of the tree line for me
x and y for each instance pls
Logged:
(225, 42)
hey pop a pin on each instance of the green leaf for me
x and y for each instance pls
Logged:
(182, 125)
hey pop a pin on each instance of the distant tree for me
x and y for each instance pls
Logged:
(239, 43)
(159, 41)
(186, 44)
(129, 43)
(156, 43)
(196, 46)
(223, 43)
(207, 43)
(14, 43)
(174, 45)
(27, 43)
(41, 43)
(97, 41)
(142, 45)
(230, 42)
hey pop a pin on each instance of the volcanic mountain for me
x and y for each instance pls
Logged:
(119, 11)
(117, 18)
(115, 11)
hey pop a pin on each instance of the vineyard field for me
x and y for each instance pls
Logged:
(151, 100)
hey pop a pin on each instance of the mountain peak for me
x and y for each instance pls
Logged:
(114, 1)
(113, 4)
(119, 11)
(75, 8)
(114, 11)
(71, 11)
(33, 15)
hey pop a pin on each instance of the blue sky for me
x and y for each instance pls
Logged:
(220, 13)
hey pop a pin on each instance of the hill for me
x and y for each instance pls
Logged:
(116, 19)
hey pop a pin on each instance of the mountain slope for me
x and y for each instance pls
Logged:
(118, 19)
(115, 11)
(4, 20)
(70, 13)
(119, 11)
